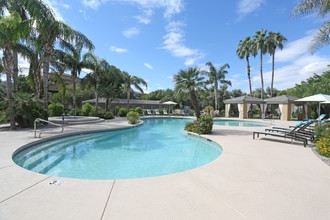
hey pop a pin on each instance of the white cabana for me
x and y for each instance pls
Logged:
(169, 103)
(320, 98)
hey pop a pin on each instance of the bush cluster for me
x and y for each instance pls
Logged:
(87, 109)
(122, 112)
(133, 117)
(322, 137)
(203, 125)
(55, 109)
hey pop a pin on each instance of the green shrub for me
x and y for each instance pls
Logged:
(116, 110)
(133, 117)
(56, 109)
(27, 109)
(203, 125)
(122, 112)
(108, 115)
(131, 110)
(87, 109)
(145, 112)
(139, 110)
(322, 137)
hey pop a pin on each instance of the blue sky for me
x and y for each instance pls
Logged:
(154, 39)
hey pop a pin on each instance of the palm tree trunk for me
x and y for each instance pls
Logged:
(216, 95)
(273, 66)
(107, 104)
(45, 71)
(248, 73)
(128, 98)
(15, 72)
(261, 76)
(195, 103)
(8, 67)
(73, 80)
(96, 96)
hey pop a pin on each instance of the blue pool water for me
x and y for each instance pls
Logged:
(158, 147)
(236, 123)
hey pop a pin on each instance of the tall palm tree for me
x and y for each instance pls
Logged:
(273, 41)
(72, 59)
(322, 7)
(51, 31)
(244, 50)
(130, 81)
(259, 41)
(215, 77)
(12, 28)
(189, 80)
(97, 65)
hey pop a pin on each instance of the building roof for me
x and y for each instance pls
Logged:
(244, 99)
(131, 102)
(283, 99)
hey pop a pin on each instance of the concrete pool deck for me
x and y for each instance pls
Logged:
(267, 178)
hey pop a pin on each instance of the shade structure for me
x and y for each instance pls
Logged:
(169, 103)
(326, 102)
(320, 98)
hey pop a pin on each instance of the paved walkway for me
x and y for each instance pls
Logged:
(266, 178)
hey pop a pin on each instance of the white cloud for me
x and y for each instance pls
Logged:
(131, 32)
(148, 65)
(53, 4)
(294, 49)
(299, 70)
(93, 4)
(142, 19)
(66, 6)
(117, 49)
(245, 7)
(84, 13)
(170, 77)
(174, 42)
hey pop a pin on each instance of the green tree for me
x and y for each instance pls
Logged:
(111, 85)
(321, 7)
(98, 66)
(215, 77)
(244, 50)
(12, 29)
(273, 41)
(73, 61)
(130, 81)
(189, 80)
(259, 42)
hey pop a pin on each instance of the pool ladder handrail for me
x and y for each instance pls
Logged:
(43, 120)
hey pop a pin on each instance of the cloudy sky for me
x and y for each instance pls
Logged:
(154, 39)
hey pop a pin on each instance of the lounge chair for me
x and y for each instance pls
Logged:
(302, 129)
(173, 112)
(182, 112)
(157, 112)
(292, 134)
(165, 112)
(149, 112)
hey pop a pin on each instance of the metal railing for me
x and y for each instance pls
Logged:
(42, 120)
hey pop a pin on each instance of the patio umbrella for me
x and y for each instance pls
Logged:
(170, 103)
(326, 102)
(320, 98)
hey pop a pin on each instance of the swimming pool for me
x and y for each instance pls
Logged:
(236, 123)
(158, 147)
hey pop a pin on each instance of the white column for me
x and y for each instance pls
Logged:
(248, 109)
(263, 108)
(306, 111)
(280, 106)
(239, 108)
(228, 110)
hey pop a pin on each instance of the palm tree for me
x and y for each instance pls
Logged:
(322, 7)
(97, 65)
(243, 51)
(259, 41)
(189, 80)
(273, 41)
(12, 28)
(111, 85)
(51, 31)
(130, 81)
(214, 77)
(72, 60)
